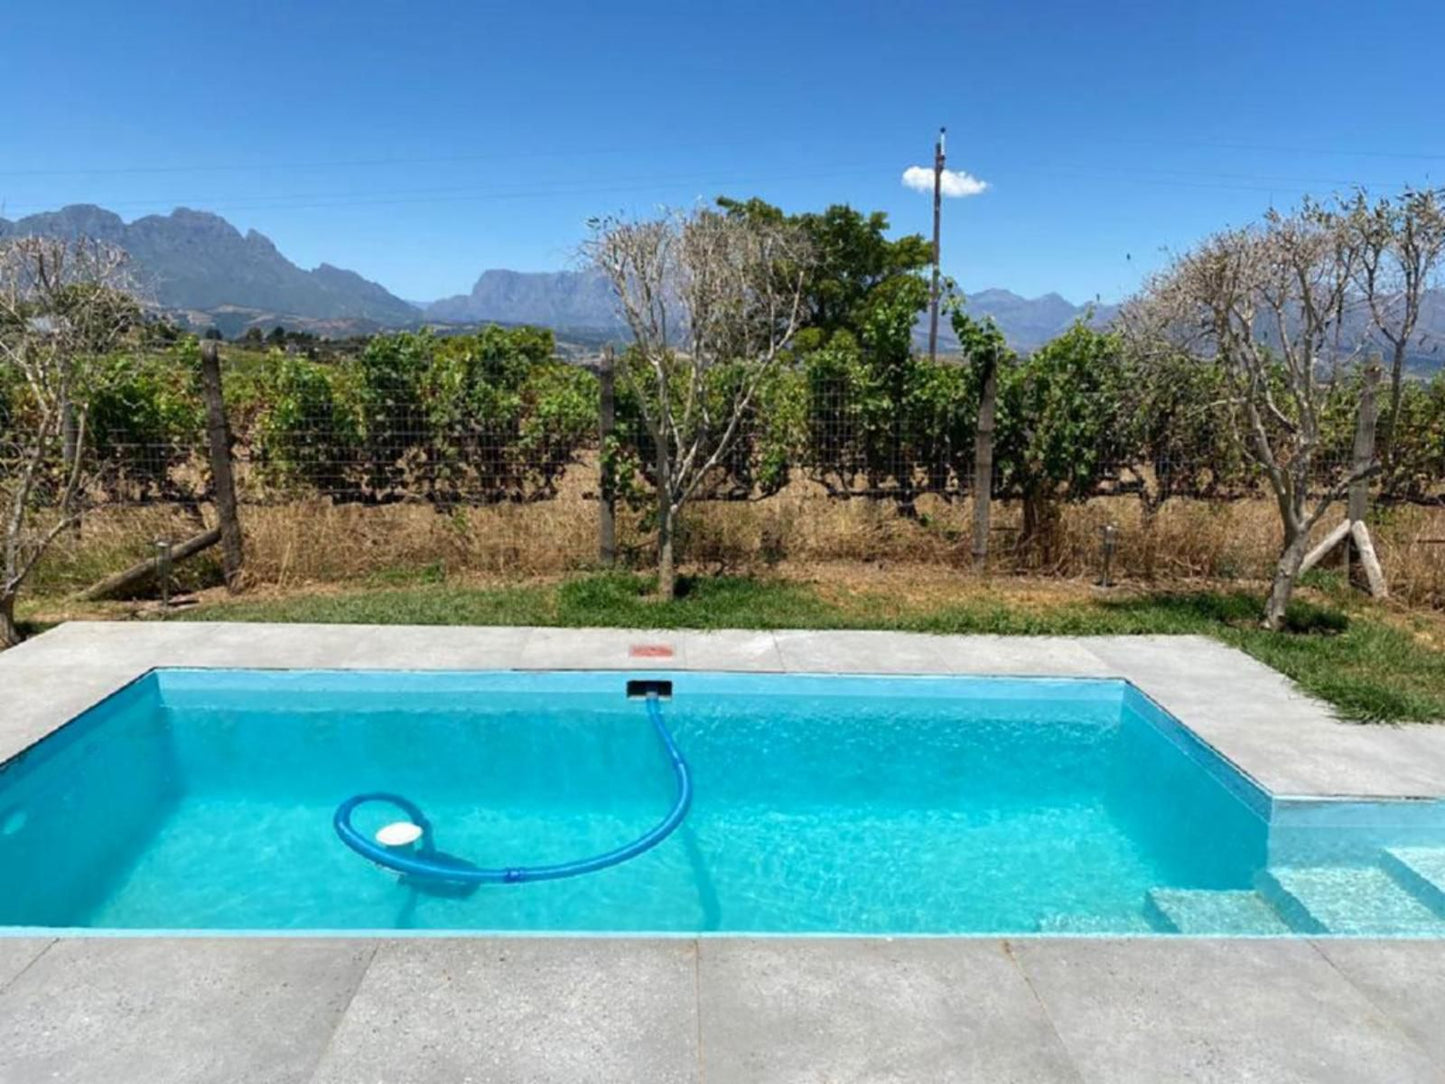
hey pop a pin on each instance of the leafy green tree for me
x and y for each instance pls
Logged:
(559, 418)
(390, 372)
(1417, 468)
(489, 398)
(853, 257)
(145, 422)
(1060, 430)
(1176, 431)
(712, 301)
(755, 464)
(64, 306)
(310, 435)
(880, 421)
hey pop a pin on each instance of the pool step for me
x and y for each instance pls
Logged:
(1347, 900)
(1421, 870)
(1212, 911)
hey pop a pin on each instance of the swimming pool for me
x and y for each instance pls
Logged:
(205, 800)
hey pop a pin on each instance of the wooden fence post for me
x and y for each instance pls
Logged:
(69, 453)
(1354, 529)
(983, 460)
(218, 437)
(1359, 501)
(607, 488)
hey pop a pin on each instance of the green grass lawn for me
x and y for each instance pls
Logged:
(1369, 669)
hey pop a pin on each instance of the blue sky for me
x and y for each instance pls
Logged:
(420, 142)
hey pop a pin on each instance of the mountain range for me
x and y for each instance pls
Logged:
(205, 273)
(199, 267)
(582, 300)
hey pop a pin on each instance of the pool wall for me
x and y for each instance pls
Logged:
(1321, 777)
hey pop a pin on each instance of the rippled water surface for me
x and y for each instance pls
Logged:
(203, 799)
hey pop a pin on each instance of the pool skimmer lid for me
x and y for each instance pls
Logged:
(398, 834)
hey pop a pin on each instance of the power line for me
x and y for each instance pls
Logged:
(502, 159)
(468, 193)
(1179, 178)
(393, 160)
(1271, 148)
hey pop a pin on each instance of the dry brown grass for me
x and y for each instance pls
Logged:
(313, 542)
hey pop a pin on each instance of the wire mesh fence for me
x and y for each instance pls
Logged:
(304, 430)
(491, 455)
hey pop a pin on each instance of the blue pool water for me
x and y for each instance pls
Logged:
(199, 799)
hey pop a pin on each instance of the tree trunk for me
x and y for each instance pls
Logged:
(9, 631)
(69, 453)
(1040, 526)
(1149, 506)
(607, 485)
(666, 571)
(1029, 531)
(666, 518)
(1286, 572)
(1392, 416)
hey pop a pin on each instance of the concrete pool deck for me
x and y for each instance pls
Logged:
(1253, 716)
(344, 1010)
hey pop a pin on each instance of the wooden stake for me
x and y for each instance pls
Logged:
(1354, 527)
(218, 435)
(1338, 534)
(1373, 572)
(607, 497)
(983, 460)
(137, 574)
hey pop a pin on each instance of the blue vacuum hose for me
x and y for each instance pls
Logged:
(427, 864)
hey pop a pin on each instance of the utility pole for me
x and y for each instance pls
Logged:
(937, 209)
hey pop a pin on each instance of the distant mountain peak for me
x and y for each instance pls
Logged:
(1029, 322)
(197, 261)
(556, 299)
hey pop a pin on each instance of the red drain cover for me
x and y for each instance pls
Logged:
(650, 651)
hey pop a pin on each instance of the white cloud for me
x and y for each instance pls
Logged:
(954, 182)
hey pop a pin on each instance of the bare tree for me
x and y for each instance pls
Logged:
(1399, 246)
(1268, 305)
(712, 301)
(63, 305)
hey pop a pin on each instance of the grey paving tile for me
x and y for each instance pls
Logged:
(859, 652)
(1257, 718)
(1037, 656)
(866, 1010)
(104, 643)
(731, 649)
(538, 1010)
(1405, 980)
(1220, 1010)
(264, 646)
(18, 953)
(413, 647)
(1166, 654)
(189, 1011)
(1297, 754)
(65, 642)
(601, 649)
